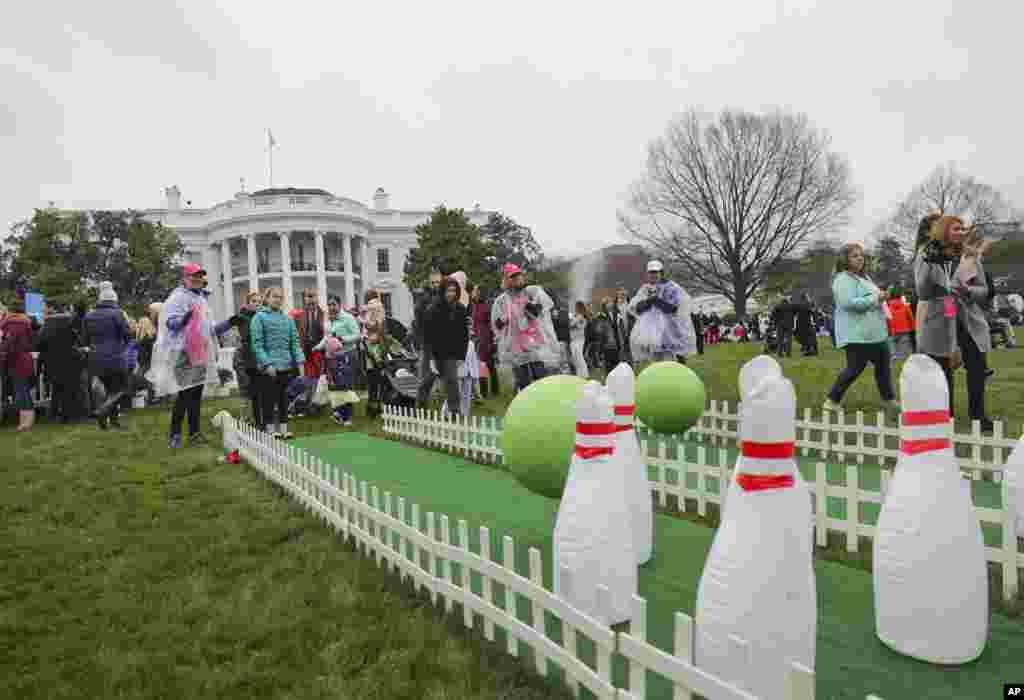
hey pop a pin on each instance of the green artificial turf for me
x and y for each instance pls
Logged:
(850, 663)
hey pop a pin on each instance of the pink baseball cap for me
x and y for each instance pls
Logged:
(192, 269)
(511, 269)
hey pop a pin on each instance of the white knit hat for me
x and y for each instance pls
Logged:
(107, 292)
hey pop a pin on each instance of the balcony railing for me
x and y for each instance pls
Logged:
(275, 268)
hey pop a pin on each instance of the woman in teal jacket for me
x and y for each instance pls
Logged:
(860, 327)
(275, 345)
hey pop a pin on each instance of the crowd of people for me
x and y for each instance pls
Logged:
(461, 336)
(949, 322)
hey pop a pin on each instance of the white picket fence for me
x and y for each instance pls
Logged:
(391, 531)
(479, 438)
(861, 438)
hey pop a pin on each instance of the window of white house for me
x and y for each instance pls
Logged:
(385, 299)
(383, 260)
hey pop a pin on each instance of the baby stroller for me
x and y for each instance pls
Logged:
(391, 376)
(401, 384)
(301, 392)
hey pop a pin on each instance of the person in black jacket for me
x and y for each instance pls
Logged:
(446, 333)
(244, 362)
(805, 327)
(428, 298)
(560, 320)
(784, 317)
(60, 353)
(698, 329)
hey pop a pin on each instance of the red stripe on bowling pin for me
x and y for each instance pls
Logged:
(916, 447)
(591, 452)
(915, 418)
(595, 428)
(764, 482)
(768, 450)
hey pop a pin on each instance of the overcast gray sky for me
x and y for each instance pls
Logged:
(540, 110)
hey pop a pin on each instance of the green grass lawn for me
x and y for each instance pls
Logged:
(719, 367)
(131, 571)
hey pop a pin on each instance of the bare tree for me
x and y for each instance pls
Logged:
(725, 201)
(947, 191)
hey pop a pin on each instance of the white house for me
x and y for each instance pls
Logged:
(296, 239)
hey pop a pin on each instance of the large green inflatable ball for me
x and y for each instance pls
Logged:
(539, 433)
(669, 397)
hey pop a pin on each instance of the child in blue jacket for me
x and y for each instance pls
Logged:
(275, 345)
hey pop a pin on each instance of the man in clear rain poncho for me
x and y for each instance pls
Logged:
(523, 329)
(186, 351)
(664, 327)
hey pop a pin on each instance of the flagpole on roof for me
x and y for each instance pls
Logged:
(270, 157)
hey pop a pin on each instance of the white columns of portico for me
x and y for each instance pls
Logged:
(254, 272)
(229, 285)
(350, 292)
(209, 264)
(321, 268)
(286, 268)
(364, 262)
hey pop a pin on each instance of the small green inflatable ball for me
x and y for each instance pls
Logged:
(669, 397)
(539, 433)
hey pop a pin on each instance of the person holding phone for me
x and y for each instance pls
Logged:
(953, 292)
(861, 328)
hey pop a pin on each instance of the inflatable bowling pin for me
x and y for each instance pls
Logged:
(931, 581)
(621, 384)
(589, 537)
(1013, 475)
(758, 580)
(750, 374)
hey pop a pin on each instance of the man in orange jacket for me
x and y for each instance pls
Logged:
(901, 325)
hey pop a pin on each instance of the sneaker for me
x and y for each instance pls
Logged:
(348, 423)
(287, 436)
(831, 405)
(198, 440)
(338, 419)
(175, 442)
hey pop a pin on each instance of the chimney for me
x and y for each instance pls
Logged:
(173, 198)
(380, 199)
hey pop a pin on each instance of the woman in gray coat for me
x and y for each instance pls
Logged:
(953, 291)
